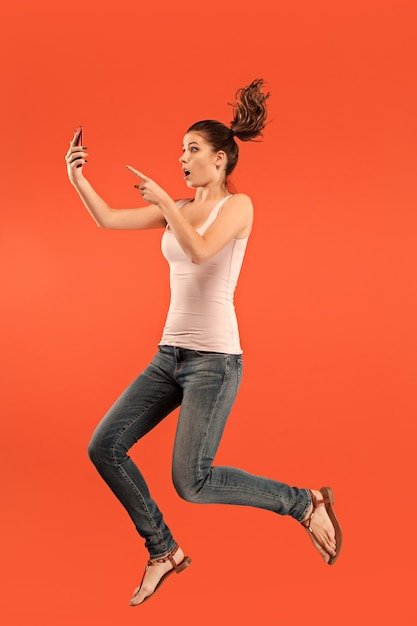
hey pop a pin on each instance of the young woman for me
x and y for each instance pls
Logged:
(198, 365)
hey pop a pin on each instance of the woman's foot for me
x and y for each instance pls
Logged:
(156, 572)
(321, 528)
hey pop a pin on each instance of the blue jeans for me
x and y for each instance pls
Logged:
(205, 384)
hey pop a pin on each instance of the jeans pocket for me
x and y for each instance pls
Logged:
(165, 349)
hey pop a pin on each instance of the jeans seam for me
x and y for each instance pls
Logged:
(127, 478)
(249, 490)
(143, 502)
(200, 452)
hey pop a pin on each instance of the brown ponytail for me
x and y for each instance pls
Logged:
(247, 124)
(249, 111)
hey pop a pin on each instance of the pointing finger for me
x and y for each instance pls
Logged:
(137, 173)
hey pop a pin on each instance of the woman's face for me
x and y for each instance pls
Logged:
(201, 165)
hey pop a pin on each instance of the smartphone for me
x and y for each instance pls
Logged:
(79, 130)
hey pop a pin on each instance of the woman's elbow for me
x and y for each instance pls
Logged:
(198, 259)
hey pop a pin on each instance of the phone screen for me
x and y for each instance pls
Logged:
(79, 130)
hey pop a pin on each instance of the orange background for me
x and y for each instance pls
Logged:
(326, 302)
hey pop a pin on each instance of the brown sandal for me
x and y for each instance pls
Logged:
(328, 501)
(176, 567)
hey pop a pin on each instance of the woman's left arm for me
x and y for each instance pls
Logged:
(233, 222)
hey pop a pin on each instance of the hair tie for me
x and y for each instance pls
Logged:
(232, 131)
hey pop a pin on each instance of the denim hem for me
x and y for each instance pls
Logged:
(307, 506)
(164, 554)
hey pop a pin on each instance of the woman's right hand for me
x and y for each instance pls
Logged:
(75, 159)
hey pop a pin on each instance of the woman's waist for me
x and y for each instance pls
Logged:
(197, 304)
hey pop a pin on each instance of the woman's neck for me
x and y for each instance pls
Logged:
(210, 194)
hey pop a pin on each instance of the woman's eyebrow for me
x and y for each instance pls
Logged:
(191, 142)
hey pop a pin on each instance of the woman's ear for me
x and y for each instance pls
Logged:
(220, 158)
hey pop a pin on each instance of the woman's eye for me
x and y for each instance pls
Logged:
(194, 149)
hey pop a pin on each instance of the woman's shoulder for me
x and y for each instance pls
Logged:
(238, 208)
(240, 200)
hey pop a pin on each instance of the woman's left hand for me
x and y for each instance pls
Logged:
(150, 191)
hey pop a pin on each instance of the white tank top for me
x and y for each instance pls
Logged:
(201, 314)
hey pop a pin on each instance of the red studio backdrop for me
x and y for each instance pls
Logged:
(326, 304)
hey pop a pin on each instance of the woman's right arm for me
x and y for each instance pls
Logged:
(104, 216)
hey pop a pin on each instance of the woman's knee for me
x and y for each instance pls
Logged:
(100, 448)
(93, 450)
(186, 491)
(189, 487)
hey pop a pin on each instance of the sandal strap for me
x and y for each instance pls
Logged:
(168, 557)
(315, 502)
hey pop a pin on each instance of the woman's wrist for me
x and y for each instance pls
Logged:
(77, 180)
(167, 205)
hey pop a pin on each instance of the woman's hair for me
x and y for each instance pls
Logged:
(247, 124)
